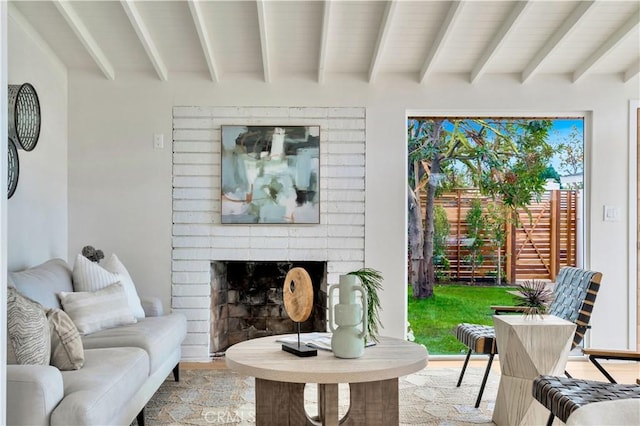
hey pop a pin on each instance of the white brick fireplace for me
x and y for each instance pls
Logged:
(199, 238)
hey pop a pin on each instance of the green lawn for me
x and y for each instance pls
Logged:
(433, 320)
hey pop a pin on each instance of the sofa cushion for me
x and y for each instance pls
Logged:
(92, 311)
(95, 394)
(28, 338)
(67, 352)
(42, 283)
(89, 276)
(158, 336)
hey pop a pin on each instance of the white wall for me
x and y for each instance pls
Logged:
(120, 187)
(33, 223)
(3, 211)
(37, 212)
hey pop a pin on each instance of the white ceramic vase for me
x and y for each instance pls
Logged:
(347, 340)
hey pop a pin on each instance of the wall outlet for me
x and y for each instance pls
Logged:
(611, 214)
(158, 141)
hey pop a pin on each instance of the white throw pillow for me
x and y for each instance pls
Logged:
(90, 276)
(113, 264)
(93, 311)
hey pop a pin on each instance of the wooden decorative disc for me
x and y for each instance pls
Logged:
(298, 294)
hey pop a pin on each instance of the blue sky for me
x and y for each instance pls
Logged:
(562, 127)
(560, 131)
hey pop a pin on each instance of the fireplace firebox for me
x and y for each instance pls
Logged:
(247, 301)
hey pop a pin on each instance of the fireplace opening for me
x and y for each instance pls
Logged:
(247, 301)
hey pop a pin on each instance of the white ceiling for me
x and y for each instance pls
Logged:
(274, 40)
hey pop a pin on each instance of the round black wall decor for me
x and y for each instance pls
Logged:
(24, 115)
(13, 168)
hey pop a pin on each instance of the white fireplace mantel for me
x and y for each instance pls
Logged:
(198, 235)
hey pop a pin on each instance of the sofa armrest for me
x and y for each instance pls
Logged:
(611, 412)
(152, 306)
(33, 391)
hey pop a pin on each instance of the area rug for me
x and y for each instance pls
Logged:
(222, 397)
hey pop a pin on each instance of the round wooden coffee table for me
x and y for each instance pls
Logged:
(281, 378)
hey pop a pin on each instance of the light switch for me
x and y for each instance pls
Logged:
(611, 214)
(158, 141)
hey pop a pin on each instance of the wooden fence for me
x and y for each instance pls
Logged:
(542, 240)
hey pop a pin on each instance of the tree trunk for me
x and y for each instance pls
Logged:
(499, 273)
(415, 233)
(426, 270)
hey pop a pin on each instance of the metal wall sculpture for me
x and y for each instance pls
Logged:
(23, 128)
(13, 167)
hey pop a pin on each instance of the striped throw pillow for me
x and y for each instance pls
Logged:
(93, 311)
(89, 276)
(67, 352)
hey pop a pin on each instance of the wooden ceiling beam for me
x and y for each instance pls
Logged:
(556, 39)
(507, 27)
(444, 33)
(145, 38)
(631, 72)
(609, 44)
(383, 38)
(324, 37)
(203, 35)
(82, 32)
(14, 14)
(264, 42)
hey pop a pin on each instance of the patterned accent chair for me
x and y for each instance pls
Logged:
(575, 291)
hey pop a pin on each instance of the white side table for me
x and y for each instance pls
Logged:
(528, 347)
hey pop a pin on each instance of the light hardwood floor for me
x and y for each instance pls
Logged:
(623, 372)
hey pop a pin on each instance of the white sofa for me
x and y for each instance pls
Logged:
(614, 412)
(123, 366)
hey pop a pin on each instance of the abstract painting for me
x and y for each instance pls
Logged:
(270, 174)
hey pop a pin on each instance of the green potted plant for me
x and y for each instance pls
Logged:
(534, 296)
(371, 281)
